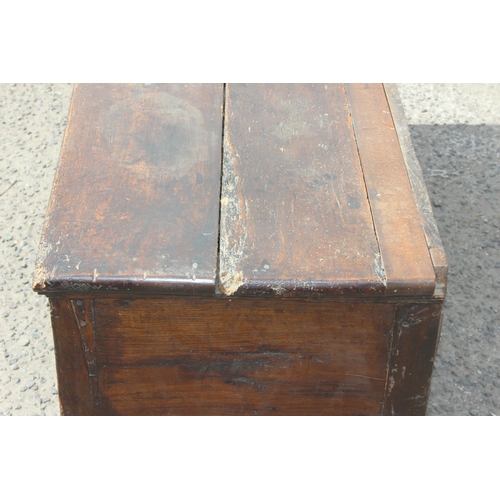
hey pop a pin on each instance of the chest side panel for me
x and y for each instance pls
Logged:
(218, 357)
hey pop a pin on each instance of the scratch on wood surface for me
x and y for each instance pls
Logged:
(416, 398)
(392, 382)
(337, 200)
(83, 311)
(364, 376)
(233, 233)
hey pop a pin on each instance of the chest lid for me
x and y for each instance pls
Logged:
(276, 189)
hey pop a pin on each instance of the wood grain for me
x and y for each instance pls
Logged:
(413, 351)
(136, 198)
(323, 303)
(295, 218)
(405, 255)
(436, 248)
(242, 356)
(76, 362)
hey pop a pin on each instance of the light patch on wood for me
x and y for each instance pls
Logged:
(233, 233)
(379, 269)
(287, 130)
(278, 289)
(42, 274)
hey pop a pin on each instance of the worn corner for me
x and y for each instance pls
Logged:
(42, 275)
(230, 282)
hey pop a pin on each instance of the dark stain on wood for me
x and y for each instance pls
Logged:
(136, 196)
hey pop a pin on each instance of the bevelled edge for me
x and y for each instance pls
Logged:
(48, 285)
(45, 282)
(316, 289)
(334, 288)
(431, 232)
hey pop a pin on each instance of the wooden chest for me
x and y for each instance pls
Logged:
(241, 249)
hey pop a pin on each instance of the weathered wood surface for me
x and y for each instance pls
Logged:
(76, 356)
(241, 356)
(138, 356)
(436, 249)
(136, 197)
(413, 351)
(295, 218)
(317, 210)
(405, 255)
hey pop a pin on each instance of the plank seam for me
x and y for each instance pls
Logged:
(217, 264)
(380, 268)
(380, 149)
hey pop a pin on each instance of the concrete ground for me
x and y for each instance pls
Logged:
(456, 134)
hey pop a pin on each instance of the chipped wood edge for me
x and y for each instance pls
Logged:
(233, 212)
(417, 182)
(42, 275)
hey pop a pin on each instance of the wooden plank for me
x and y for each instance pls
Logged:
(295, 219)
(242, 356)
(436, 248)
(405, 255)
(135, 202)
(76, 355)
(413, 351)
